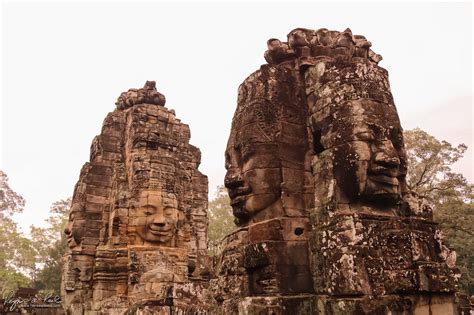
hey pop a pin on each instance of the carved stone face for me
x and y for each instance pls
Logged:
(266, 148)
(75, 229)
(368, 152)
(157, 216)
(253, 167)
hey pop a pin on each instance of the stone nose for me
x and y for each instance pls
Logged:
(387, 156)
(67, 231)
(233, 179)
(158, 220)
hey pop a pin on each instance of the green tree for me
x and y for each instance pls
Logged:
(221, 220)
(17, 258)
(51, 244)
(457, 219)
(429, 167)
(431, 176)
(10, 201)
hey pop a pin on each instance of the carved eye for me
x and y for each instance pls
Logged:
(169, 212)
(377, 130)
(235, 158)
(397, 137)
(148, 210)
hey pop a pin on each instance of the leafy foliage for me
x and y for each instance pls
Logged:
(431, 176)
(17, 258)
(221, 220)
(51, 245)
(457, 219)
(429, 167)
(34, 261)
(10, 201)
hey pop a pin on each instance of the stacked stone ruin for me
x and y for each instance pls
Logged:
(138, 225)
(316, 169)
(368, 245)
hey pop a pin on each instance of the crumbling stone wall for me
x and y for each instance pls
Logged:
(138, 226)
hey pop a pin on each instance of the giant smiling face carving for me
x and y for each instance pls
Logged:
(368, 152)
(157, 216)
(253, 164)
(267, 145)
(75, 227)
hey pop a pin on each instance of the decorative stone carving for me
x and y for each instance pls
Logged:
(373, 245)
(75, 227)
(139, 216)
(368, 242)
(157, 217)
(316, 176)
(146, 95)
(304, 43)
(360, 131)
(265, 156)
(269, 183)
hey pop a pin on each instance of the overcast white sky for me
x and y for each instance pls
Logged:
(64, 65)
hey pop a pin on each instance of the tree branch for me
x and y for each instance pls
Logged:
(421, 176)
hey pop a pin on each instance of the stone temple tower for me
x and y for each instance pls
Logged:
(137, 231)
(316, 170)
